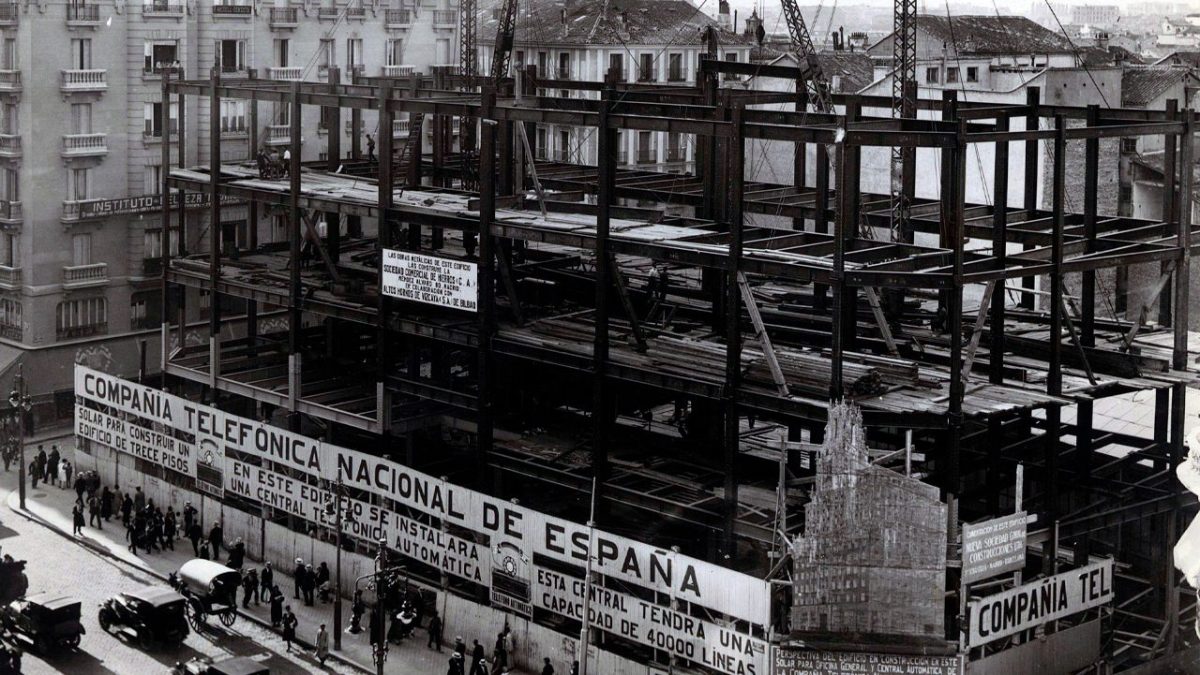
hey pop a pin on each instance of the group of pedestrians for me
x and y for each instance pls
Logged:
(479, 664)
(52, 468)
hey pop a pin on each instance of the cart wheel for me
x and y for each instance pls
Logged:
(72, 642)
(228, 617)
(194, 618)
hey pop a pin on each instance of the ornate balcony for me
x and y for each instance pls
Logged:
(397, 18)
(10, 213)
(84, 80)
(445, 18)
(10, 277)
(162, 8)
(285, 74)
(83, 276)
(83, 15)
(399, 71)
(10, 80)
(279, 134)
(235, 11)
(75, 210)
(85, 145)
(10, 145)
(10, 13)
(284, 17)
(359, 13)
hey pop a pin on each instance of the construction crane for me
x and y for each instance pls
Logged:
(904, 107)
(468, 59)
(814, 76)
(502, 50)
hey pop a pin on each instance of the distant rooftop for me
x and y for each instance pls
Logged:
(1140, 86)
(615, 22)
(993, 34)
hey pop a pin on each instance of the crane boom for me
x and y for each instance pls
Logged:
(502, 51)
(468, 18)
(814, 80)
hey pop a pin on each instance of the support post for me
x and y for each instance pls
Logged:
(1000, 253)
(601, 390)
(164, 224)
(487, 282)
(295, 227)
(214, 227)
(1170, 204)
(1091, 190)
(385, 199)
(735, 158)
(1033, 98)
(333, 239)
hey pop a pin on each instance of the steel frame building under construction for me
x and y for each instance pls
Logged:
(680, 363)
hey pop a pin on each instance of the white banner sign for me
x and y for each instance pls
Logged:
(722, 649)
(993, 547)
(1033, 604)
(434, 281)
(144, 443)
(516, 533)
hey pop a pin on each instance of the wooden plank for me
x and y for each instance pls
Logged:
(760, 330)
(984, 304)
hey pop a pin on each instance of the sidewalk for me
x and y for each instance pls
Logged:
(51, 506)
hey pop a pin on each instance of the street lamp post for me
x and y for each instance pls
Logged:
(337, 605)
(18, 402)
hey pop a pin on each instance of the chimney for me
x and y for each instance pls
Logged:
(723, 20)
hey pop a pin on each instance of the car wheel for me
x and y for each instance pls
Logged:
(105, 620)
(43, 645)
(72, 642)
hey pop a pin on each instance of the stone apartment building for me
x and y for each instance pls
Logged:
(80, 153)
(656, 41)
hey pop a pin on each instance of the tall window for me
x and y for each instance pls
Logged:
(77, 184)
(231, 55)
(675, 67)
(10, 123)
(10, 185)
(543, 64)
(233, 117)
(8, 57)
(81, 53)
(8, 250)
(646, 68)
(82, 317)
(10, 318)
(617, 62)
(145, 310)
(152, 243)
(564, 145)
(951, 75)
(354, 53)
(152, 180)
(81, 249)
(564, 65)
(931, 75)
(395, 52)
(282, 47)
(160, 54)
(81, 118)
(326, 53)
(152, 116)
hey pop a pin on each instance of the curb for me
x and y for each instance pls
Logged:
(104, 551)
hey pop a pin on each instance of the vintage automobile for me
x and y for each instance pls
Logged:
(47, 620)
(235, 665)
(150, 615)
(210, 589)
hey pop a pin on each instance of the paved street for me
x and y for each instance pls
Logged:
(57, 563)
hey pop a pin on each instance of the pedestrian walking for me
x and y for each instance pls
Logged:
(276, 606)
(106, 503)
(253, 574)
(460, 647)
(477, 655)
(215, 537)
(77, 520)
(547, 669)
(189, 516)
(307, 584)
(499, 652)
(322, 644)
(456, 664)
(287, 162)
(248, 585)
(195, 534)
(323, 578)
(435, 632)
(266, 580)
(205, 551)
(52, 465)
(297, 577)
(65, 470)
(94, 512)
(289, 627)
(237, 554)
(139, 499)
(357, 609)
(480, 667)
(126, 509)
(34, 473)
(169, 530)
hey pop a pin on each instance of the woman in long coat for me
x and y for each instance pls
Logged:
(276, 606)
(289, 627)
